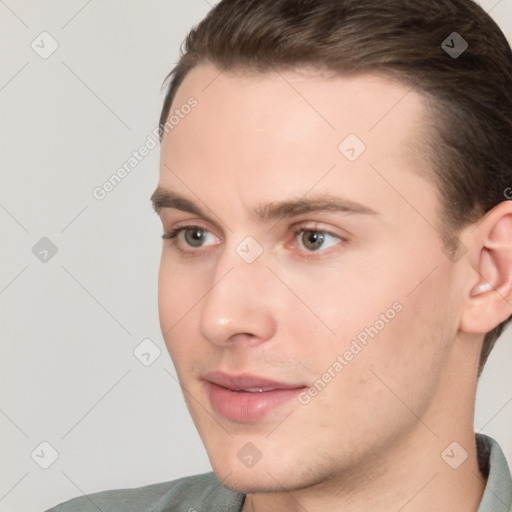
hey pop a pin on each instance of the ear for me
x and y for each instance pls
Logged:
(489, 296)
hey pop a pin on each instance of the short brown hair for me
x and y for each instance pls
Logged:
(471, 94)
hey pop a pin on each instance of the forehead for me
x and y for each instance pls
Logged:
(287, 130)
(298, 105)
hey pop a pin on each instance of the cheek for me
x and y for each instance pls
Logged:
(179, 294)
(338, 302)
(166, 295)
(390, 312)
(369, 286)
(403, 360)
(396, 370)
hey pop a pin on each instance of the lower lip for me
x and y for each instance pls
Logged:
(245, 406)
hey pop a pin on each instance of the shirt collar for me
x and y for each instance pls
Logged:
(498, 490)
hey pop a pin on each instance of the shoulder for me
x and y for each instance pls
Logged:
(188, 494)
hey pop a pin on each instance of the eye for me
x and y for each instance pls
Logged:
(314, 240)
(191, 236)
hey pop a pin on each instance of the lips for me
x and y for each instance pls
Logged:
(247, 398)
(247, 382)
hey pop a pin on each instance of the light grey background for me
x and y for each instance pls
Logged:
(70, 325)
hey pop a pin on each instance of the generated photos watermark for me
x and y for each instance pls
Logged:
(356, 346)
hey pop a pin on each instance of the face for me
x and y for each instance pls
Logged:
(304, 296)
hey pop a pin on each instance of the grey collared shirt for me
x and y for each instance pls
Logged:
(204, 493)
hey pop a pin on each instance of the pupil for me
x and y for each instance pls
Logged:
(313, 240)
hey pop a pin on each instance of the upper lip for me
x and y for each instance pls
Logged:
(246, 381)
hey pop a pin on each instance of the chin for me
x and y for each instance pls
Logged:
(248, 482)
(265, 477)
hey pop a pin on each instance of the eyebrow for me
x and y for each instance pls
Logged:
(163, 198)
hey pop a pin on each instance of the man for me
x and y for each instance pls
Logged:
(337, 256)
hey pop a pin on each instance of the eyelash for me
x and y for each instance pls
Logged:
(173, 234)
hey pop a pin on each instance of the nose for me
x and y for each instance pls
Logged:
(238, 307)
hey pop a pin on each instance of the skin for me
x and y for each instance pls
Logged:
(372, 439)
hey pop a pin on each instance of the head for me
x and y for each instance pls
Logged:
(299, 106)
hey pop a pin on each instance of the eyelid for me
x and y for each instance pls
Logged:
(191, 224)
(317, 226)
(177, 219)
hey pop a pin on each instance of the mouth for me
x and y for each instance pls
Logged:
(247, 398)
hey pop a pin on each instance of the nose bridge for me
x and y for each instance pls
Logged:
(237, 302)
